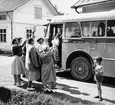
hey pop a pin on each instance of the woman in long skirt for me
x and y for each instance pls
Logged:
(17, 66)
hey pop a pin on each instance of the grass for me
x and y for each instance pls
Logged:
(37, 98)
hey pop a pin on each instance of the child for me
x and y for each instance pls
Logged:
(98, 76)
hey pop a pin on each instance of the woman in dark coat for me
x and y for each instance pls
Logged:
(47, 71)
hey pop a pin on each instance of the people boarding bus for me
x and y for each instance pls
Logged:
(84, 37)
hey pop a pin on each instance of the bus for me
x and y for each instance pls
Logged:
(84, 37)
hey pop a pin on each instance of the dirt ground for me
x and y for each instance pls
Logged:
(65, 85)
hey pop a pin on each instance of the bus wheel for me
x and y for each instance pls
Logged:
(80, 69)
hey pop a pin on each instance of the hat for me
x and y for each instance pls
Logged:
(45, 47)
(40, 39)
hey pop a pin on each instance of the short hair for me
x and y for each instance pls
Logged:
(14, 41)
(19, 38)
(40, 39)
(99, 58)
(30, 40)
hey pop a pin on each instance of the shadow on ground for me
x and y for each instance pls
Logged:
(108, 81)
(73, 90)
(70, 90)
(111, 101)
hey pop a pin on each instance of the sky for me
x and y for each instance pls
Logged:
(65, 5)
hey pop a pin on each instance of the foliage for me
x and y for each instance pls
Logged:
(34, 98)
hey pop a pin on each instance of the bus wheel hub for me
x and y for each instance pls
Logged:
(79, 70)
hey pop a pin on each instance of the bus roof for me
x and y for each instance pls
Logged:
(107, 15)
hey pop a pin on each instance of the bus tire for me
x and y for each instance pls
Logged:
(80, 69)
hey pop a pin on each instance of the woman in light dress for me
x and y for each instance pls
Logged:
(56, 47)
(17, 66)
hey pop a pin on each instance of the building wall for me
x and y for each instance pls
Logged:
(25, 14)
(23, 18)
(19, 30)
(99, 7)
(6, 24)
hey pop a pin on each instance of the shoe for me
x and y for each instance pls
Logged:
(21, 79)
(23, 75)
(30, 89)
(96, 97)
(48, 92)
(101, 99)
(53, 87)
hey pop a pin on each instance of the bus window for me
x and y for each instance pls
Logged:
(85, 28)
(98, 28)
(72, 30)
(111, 28)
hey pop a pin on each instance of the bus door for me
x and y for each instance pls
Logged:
(110, 50)
(56, 30)
(53, 31)
(95, 33)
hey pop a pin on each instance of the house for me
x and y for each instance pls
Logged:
(87, 6)
(19, 18)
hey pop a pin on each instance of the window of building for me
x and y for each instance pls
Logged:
(72, 30)
(2, 35)
(98, 29)
(111, 28)
(85, 26)
(38, 13)
(2, 17)
(28, 33)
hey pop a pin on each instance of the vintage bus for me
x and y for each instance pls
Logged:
(84, 37)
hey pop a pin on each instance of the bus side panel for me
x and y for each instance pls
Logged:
(68, 48)
(97, 47)
(110, 58)
(109, 67)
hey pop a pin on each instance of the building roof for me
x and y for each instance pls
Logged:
(10, 5)
(80, 3)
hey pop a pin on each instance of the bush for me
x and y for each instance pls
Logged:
(33, 98)
(5, 94)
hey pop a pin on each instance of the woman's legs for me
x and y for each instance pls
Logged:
(29, 84)
(30, 88)
(15, 79)
(18, 80)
